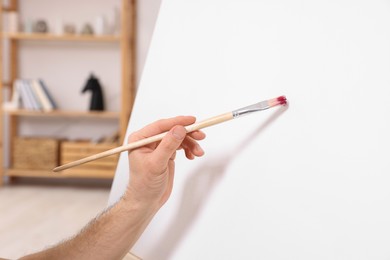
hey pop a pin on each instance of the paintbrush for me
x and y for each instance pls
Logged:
(191, 128)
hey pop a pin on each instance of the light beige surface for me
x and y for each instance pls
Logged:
(33, 217)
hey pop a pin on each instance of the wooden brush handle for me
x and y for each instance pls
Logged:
(191, 128)
(129, 256)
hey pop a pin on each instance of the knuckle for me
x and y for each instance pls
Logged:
(132, 137)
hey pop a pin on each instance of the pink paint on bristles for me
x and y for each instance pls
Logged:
(277, 101)
(282, 100)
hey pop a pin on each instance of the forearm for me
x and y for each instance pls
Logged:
(110, 236)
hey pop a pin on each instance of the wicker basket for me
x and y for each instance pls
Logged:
(72, 151)
(35, 153)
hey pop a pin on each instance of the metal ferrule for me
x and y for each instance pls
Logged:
(249, 109)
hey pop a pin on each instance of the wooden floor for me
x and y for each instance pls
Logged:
(34, 216)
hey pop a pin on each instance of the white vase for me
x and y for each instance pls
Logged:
(100, 25)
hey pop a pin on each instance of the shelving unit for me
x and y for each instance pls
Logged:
(74, 114)
(126, 42)
(53, 37)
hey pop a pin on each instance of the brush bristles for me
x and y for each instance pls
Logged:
(277, 101)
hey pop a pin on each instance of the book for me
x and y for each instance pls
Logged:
(48, 94)
(34, 98)
(32, 95)
(20, 87)
(16, 99)
(41, 95)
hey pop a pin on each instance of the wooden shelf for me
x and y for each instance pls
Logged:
(9, 9)
(10, 69)
(7, 84)
(59, 113)
(54, 37)
(74, 173)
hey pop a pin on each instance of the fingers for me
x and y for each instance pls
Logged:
(168, 146)
(190, 145)
(161, 126)
(191, 148)
(197, 135)
(175, 139)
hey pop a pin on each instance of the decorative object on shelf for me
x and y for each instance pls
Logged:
(114, 22)
(87, 29)
(100, 25)
(41, 27)
(97, 102)
(28, 25)
(59, 27)
(69, 28)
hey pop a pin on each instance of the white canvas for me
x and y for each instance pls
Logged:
(310, 181)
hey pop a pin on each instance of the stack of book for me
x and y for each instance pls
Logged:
(32, 95)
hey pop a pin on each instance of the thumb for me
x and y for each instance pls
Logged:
(169, 144)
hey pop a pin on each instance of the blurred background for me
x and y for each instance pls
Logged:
(49, 52)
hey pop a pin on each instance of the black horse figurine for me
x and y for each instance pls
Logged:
(93, 85)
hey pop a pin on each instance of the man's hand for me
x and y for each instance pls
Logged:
(152, 167)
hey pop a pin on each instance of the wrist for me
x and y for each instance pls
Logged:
(140, 201)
